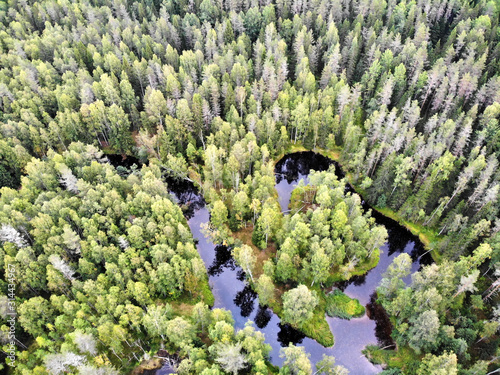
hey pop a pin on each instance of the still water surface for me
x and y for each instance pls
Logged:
(232, 293)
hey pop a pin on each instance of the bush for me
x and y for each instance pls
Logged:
(342, 306)
(382, 201)
(258, 238)
(234, 224)
(391, 371)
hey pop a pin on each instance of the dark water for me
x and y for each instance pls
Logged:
(232, 293)
(165, 370)
(122, 161)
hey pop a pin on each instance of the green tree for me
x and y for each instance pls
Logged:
(319, 264)
(393, 277)
(424, 330)
(10, 166)
(327, 367)
(298, 305)
(156, 318)
(285, 268)
(180, 332)
(230, 357)
(296, 361)
(445, 364)
(268, 221)
(265, 289)
(246, 258)
(241, 208)
(219, 214)
(35, 314)
(155, 107)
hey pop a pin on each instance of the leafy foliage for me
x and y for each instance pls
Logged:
(342, 306)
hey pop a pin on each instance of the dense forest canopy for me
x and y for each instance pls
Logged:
(404, 94)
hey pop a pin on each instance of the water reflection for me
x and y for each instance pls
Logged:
(245, 300)
(241, 275)
(288, 334)
(223, 259)
(383, 328)
(123, 161)
(166, 369)
(186, 196)
(294, 166)
(358, 280)
(170, 363)
(263, 317)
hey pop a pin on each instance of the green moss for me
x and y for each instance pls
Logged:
(426, 235)
(404, 358)
(318, 329)
(376, 355)
(271, 368)
(206, 294)
(342, 306)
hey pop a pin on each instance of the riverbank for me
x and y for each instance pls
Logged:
(147, 366)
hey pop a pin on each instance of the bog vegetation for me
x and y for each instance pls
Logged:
(404, 94)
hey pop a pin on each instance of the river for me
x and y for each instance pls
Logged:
(232, 293)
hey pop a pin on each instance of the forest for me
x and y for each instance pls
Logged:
(100, 268)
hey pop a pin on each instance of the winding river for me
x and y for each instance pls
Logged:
(232, 293)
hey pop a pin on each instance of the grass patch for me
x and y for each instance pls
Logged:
(342, 306)
(183, 305)
(368, 265)
(206, 294)
(272, 369)
(318, 329)
(296, 147)
(333, 154)
(402, 358)
(426, 235)
(376, 355)
(181, 308)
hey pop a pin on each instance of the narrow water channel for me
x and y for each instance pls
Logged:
(232, 293)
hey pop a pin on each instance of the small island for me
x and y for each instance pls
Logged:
(295, 257)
